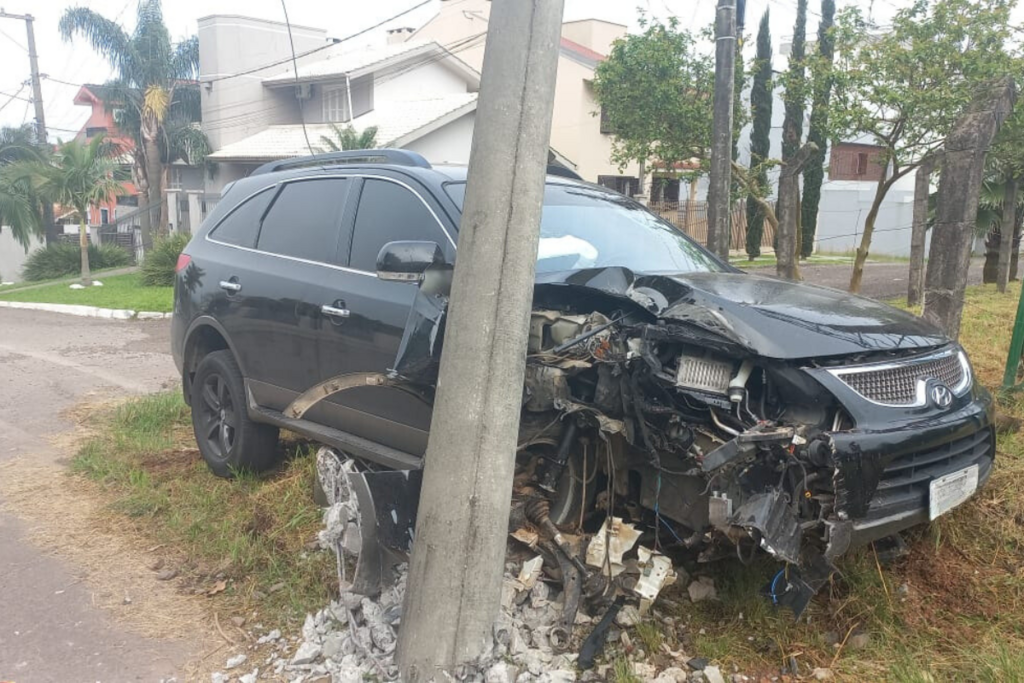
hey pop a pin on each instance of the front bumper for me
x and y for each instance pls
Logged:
(883, 476)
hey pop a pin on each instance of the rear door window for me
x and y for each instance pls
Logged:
(305, 220)
(241, 226)
(389, 212)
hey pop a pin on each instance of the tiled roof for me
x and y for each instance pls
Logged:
(338, 62)
(397, 124)
(580, 53)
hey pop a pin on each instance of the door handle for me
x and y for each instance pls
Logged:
(334, 311)
(229, 286)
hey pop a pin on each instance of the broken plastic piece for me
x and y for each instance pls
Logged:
(655, 573)
(530, 572)
(771, 516)
(610, 543)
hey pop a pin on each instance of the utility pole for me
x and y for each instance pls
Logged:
(719, 233)
(37, 101)
(458, 557)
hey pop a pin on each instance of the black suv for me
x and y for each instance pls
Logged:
(718, 408)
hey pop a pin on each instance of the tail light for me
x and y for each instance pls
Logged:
(183, 261)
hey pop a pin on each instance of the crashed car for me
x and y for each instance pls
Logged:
(706, 408)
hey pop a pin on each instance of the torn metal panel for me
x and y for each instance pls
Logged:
(656, 573)
(778, 530)
(613, 540)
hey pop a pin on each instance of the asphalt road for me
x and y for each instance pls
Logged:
(49, 629)
(881, 280)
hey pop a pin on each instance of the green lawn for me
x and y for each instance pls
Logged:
(118, 291)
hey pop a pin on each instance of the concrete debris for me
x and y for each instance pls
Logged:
(627, 616)
(702, 589)
(249, 677)
(822, 674)
(673, 674)
(218, 677)
(713, 674)
(237, 660)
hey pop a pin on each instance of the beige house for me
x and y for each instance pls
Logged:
(461, 28)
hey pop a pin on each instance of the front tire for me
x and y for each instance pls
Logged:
(228, 440)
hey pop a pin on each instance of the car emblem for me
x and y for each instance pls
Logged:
(941, 395)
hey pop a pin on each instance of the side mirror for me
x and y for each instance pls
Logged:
(407, 261)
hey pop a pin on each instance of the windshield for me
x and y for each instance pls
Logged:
(583, 227)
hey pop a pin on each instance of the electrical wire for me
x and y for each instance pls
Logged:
(14, 97)
(295, 70)
(8, 37)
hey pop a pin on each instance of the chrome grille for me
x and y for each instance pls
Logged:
(897, 383)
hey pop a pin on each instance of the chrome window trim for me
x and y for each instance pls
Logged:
(920, 389)
(345, 269)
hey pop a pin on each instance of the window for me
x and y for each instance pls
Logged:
(241, 225)
(862, 163)
(389, 212)
(606, 126)
(336, 104)
(305, 220)
(104, 216)
(856, 161)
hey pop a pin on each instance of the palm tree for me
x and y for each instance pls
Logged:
(20, 208)
(78, 175)
(154, 94)
(347, 138)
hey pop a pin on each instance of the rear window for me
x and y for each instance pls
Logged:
(241, 226)
(305, 220)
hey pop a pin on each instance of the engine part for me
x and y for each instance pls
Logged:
(538, 511)
(704, 374)
(556, 467)
(572, 585)
(738, 385)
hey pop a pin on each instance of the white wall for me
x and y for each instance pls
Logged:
(450, 143)
(13, 255)
(844, 206)
(428, 81)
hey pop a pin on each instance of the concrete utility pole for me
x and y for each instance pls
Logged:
(787, 255)
(959, 191)
(37, 101)
(457, 564)
(919, 227)
(719, 232)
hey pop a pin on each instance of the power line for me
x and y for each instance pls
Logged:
(57, 80)
(295, 70)
(14, 97)
(336, 41)
(6, 35)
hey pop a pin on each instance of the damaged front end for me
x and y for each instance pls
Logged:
(655, 417)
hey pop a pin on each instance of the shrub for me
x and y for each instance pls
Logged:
(64, 258)
(161, 260)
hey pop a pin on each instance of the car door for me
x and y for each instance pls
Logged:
(273, 310)
(388, 209)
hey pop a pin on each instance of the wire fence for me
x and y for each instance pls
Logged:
(692, 218)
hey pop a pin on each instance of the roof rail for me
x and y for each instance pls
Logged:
(398, 157)
(555, 169)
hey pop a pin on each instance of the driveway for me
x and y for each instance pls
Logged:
(881, 280)
(49, 628)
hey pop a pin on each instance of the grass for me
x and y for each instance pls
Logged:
(68, 279)
(822, 258)
(256, 531)
(118, 291)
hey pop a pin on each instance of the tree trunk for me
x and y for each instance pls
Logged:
(50, 228)
(83, 243)
(919, 229)
(786, 254)
(153, 192)
(1006, 233)
(990, 267)
(799, 233)
(869, 229)
(691, 199)
(957, 212)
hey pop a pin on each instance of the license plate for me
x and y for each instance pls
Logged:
(945, 493)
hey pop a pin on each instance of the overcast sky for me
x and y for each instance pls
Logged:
(76, 63)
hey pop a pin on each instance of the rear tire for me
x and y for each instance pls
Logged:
(228, 440)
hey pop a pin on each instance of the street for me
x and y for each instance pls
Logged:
(51, 629)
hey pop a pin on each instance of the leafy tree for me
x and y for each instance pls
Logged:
(1000, 197)
(154, 94)
(655, 91)
(77, 175)
(347, 138)
(760, 144)
(904, 87)
(20, 208)
(821, 87)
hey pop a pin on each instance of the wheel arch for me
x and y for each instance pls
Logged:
(204, 336)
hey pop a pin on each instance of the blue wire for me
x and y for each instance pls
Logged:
(771, 591)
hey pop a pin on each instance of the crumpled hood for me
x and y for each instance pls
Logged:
(772, 318)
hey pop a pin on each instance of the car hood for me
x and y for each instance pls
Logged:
(768, 317)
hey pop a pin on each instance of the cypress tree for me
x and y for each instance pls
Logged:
(793, 124)
(814, 172)
(760, 145)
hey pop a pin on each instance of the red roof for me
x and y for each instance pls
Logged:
(582, 50)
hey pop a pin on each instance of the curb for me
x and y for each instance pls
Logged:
(87, 311)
